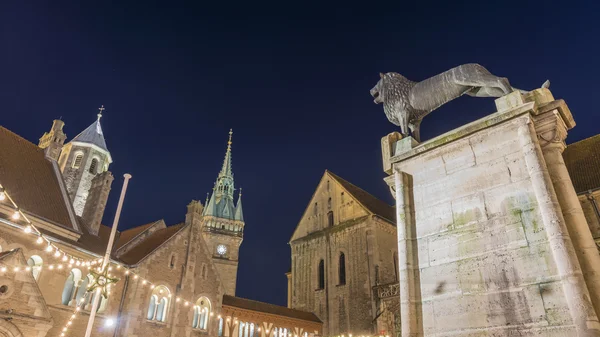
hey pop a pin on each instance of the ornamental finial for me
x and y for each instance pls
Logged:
(229, 142)
(101, 110)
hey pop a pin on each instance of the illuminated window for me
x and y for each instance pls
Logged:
(201, 314)
(70, 286)
(35, 262)
(159, 304)
(221, 327)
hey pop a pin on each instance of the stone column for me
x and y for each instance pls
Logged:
(576, 293)
(408, 258)
(551, 126)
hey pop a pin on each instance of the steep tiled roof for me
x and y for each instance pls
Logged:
(92, 135)
(150, 243)
(583, 162)
(127, 235)
(268, 308)
(32, 180)
(373, 204)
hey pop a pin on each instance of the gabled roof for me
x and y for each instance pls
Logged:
(150, 244)
(371, 203)
(268, 308)
(92, 135)
(129, 234)
(33, 181)
(583, 163)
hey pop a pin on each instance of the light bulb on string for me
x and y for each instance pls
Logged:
(57, 253)
(49, 249)
(2, 194)
(65, 258)
(39, 240)
(27, 229)
(16, 215)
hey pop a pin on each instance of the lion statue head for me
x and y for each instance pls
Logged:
(393, 91)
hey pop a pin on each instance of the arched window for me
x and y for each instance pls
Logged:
(35, 262)
(159, 304)
(329, 203)
(396, 266)
(321, 274)
(330, 218)
(70, 286)
(328, 185)
(221, 327)
(342, 269)
(316, 209)
(93, 166)
(342, 198)
(172, 262)
(241, 329)
(201, 314)
(77, 161)
(251, 330)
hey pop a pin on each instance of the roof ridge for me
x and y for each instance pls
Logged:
(583, 140)
(37, 148)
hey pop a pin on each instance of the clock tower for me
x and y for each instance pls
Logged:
(223, 224)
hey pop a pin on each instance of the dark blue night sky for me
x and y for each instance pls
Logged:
(292, 80)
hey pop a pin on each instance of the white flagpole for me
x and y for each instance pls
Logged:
(111, 240)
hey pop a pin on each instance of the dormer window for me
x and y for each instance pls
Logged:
(93, 166)
(78, 160)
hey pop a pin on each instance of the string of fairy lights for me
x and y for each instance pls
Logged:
(70, 261)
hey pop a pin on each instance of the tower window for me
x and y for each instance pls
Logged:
(321, 274)
(342, 269)
(330, 218)
(93, 166)
(77, 161)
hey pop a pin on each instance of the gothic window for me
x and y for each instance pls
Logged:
(316, 209)
(342, 198)
(321, 274)
(342, 269)
(330, 218)
(159, 304)
(329, 203)
(204, 271)
(221, 327)
(201, 314)
(35, 262)
(77, 161)
(396, 266)
(93, 166)
(70, 284)
(327, 185)
(251, 330)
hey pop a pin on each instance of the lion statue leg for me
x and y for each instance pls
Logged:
(415, 130)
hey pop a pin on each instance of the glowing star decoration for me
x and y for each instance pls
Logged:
(101, 280)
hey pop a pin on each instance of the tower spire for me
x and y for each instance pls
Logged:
(101, 111)
(226, 170)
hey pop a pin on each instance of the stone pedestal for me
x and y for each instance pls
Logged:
(491, 239)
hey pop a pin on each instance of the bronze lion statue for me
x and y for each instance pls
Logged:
(406, 103)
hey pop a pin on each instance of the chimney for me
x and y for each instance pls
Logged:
(53, 140)
(96, 201)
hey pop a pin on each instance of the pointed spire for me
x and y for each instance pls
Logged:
(226, 170)
(93, 134)
(210, 205)
(239, 214)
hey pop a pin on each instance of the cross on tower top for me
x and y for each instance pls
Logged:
(101, 111)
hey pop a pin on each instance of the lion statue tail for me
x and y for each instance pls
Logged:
(546, 84)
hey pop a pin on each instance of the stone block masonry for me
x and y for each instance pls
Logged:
(491, 237)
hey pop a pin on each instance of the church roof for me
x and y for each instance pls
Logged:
(92, 135)
(370, 202)
(129, 234)
(583, 163)
(33, 181)
(150, 244)
(268, 308)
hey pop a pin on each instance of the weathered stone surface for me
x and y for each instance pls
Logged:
(493, 251)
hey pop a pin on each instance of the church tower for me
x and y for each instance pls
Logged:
(223, 224)
(81, 159)
(53, 140)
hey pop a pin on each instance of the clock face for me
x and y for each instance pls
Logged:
(221, 250)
